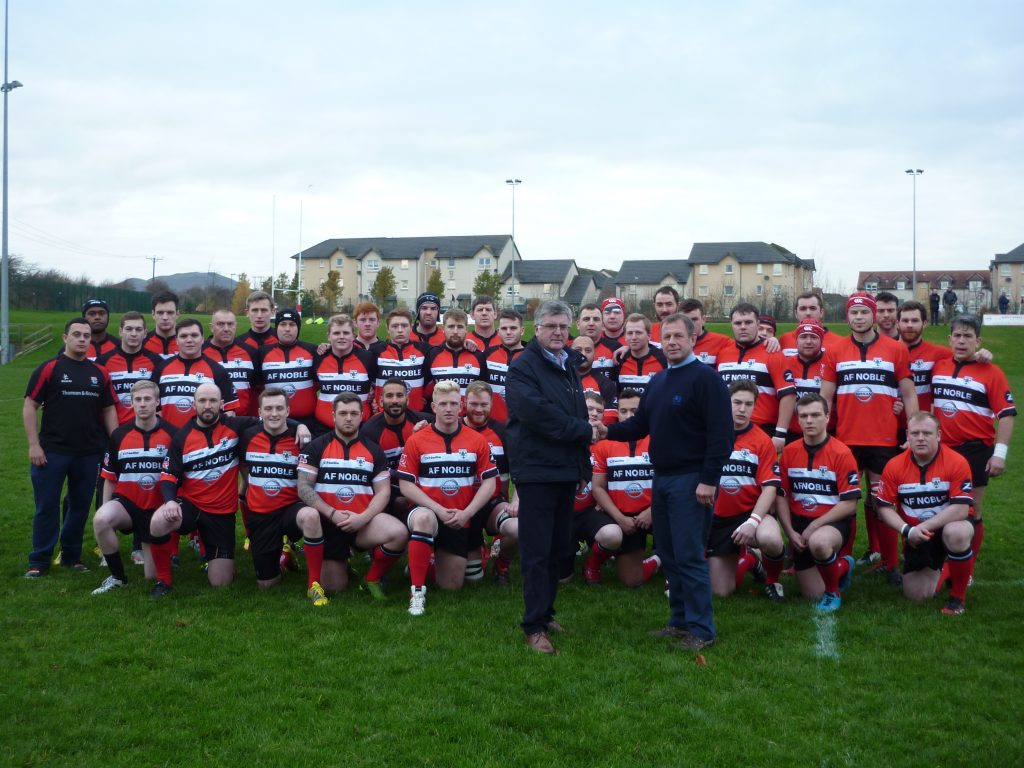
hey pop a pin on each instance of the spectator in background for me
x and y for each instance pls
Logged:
(1004, 303)
(949, 300)
(933, 303)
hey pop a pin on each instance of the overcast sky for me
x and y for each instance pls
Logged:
(169, 128)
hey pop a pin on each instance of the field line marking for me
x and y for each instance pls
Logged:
(825, 644)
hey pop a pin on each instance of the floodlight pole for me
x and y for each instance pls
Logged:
(513, 183)
(914, 173)
(5, 278)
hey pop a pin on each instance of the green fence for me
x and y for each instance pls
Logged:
(43, 294)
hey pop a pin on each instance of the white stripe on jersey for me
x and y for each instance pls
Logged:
(271, 458)
(280, 482)
(229, 443)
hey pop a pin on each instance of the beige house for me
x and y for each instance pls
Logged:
(765, 274)
(973, 288)
(358, 261)
(638, 280)
(1007, 275)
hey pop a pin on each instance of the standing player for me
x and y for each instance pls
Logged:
(818, 502)
(235, 358)
(180, 376)
(483, 336)
(872, 374)
(749, 358)
(613, 317)
(288, 364)
(452, 361)
(886, 305)
(367, 322)
(923, 355)
(808, 308)
(642, 360)
(589, 323)
(425, 331)
(343, 368)
(346, 478)
(97, 314)
(496, 360)
(129, 363)
(401, 358)
(272, 510)
(259, 308)
(666, 302)
(708, 344)
(78, 414)
(596, 382)
(162, 340)
(811, 371)
(974, 405)
(131, 474)
(925, 494)
(745, 501)
(766, 327)
(446, 471)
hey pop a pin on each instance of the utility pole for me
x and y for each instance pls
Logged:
(154, 259)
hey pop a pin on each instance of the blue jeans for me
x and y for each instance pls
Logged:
(681, 529)
(47, 484)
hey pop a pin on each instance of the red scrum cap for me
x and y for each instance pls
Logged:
(862, 299)
(814, 328)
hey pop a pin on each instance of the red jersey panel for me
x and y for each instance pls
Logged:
(271, 468)
(161, 346)
(709, 346)
(179, 379)
(237, 361)
(291, 369)
(253, 341)
(807, 376)
(484, 343)
(922, 358)
(867, 384)
(405, 362)
(603, 351)
(391, 438)
(494, 433)
(816, 478)
(968, 398)
(447, 467)
(134, 461)
(345, 472)
(99, 348)
(635, 372)
(628, 473)
(124, 370)
(427, 340)
(752, 465)
(459, 365)
(495, 368)
(355, 372)
(767, 370)
(920, 493)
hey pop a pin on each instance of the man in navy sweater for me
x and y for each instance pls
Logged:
(686, 412)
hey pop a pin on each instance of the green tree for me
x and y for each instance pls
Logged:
(435, 283)
(488, 284)
(331, 290)
(384, 286)
(242, 291)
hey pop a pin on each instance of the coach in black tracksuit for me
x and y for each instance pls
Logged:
(548, 441)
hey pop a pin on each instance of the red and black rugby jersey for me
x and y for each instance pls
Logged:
(807, 376)
(391, 437)
(355, 372)
(787, 342)
(635, 372)
(604, 349)
(345, 472)
(271, 466)
(605, 387)
(179, 379)
(135, 460)
(919, 493)
(495, 369)
(447, 467)
(628, 473)
(99, 348)
(405, 362)
(291, 369)
(238, 362)
(968, 397)
(73, 395)
(751, 466)
(766, 369)
(816, 478)
(165, 347)
(494, 433)
(252, 340)
(867, 384)
(708, 347)
(427, 340)
(459, 365)
(484, 343)
(922, 358)
(124, 370)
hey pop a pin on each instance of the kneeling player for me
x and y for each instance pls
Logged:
(446, 471)
(926, 495)
(346, 479)
(131, 471)
(750, 480)
(820, 488)
(272, 510)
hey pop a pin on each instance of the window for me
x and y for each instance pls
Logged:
(901, 285)
(339, 262)
(759, 289)
(405, 263)
(729, 269)
(372, 265)
(484, 262)
(302, 266)
(451, 274)
(702, 290)
(729, 290)
(871, 286)
(405, 285)
(1004, 269)
(703, 269)
(760, 269)
(777, 291)
(547, 289)
(776, 269)
(451, 262)
(974, 285)
(943, 284)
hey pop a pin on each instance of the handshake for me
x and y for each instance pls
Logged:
(600, 432)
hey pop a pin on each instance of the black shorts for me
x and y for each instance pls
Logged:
(634, 542)
(802, 561)
(932, 554)
(720, 543)
(399, 506)
(141, 521)
(588, 522)
(455, 541)
(873, 458)
(338, 544)
(217, 532)
(266, 536)
(977, 455)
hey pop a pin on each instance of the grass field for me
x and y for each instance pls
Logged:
(236, 677)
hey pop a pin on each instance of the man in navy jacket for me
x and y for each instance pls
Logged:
(549, 458)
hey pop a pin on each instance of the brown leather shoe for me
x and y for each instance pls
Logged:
(539, 642)
(554, 626)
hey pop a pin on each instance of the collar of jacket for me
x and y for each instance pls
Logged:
(572, 361)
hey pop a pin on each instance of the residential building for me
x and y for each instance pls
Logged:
(972, 287)
(638, 280)
(539, 279)
(1007, 274)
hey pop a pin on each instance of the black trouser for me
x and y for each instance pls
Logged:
(545, 541)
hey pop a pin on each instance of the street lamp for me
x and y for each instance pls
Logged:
(5, 308)
(914, 173)
(513, 183)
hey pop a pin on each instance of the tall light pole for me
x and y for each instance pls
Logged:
(298, 285)
(914, 173)
(5, 307)
(513, 183)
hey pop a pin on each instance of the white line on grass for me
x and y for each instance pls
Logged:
(825, 645)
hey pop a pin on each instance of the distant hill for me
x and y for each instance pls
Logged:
(182, 281)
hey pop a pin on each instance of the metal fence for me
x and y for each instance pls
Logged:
(44, 294)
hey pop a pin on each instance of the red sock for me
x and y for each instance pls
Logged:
(832, 571)
(943, 575)
(598, 557)
(889, 540)
(502, 564)
(979, 535)
(960, 567)
(314, 551)
(421, 547)
(162, 560)
(772, 567)
(743, 566)
(651, 566)
(383, 559)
